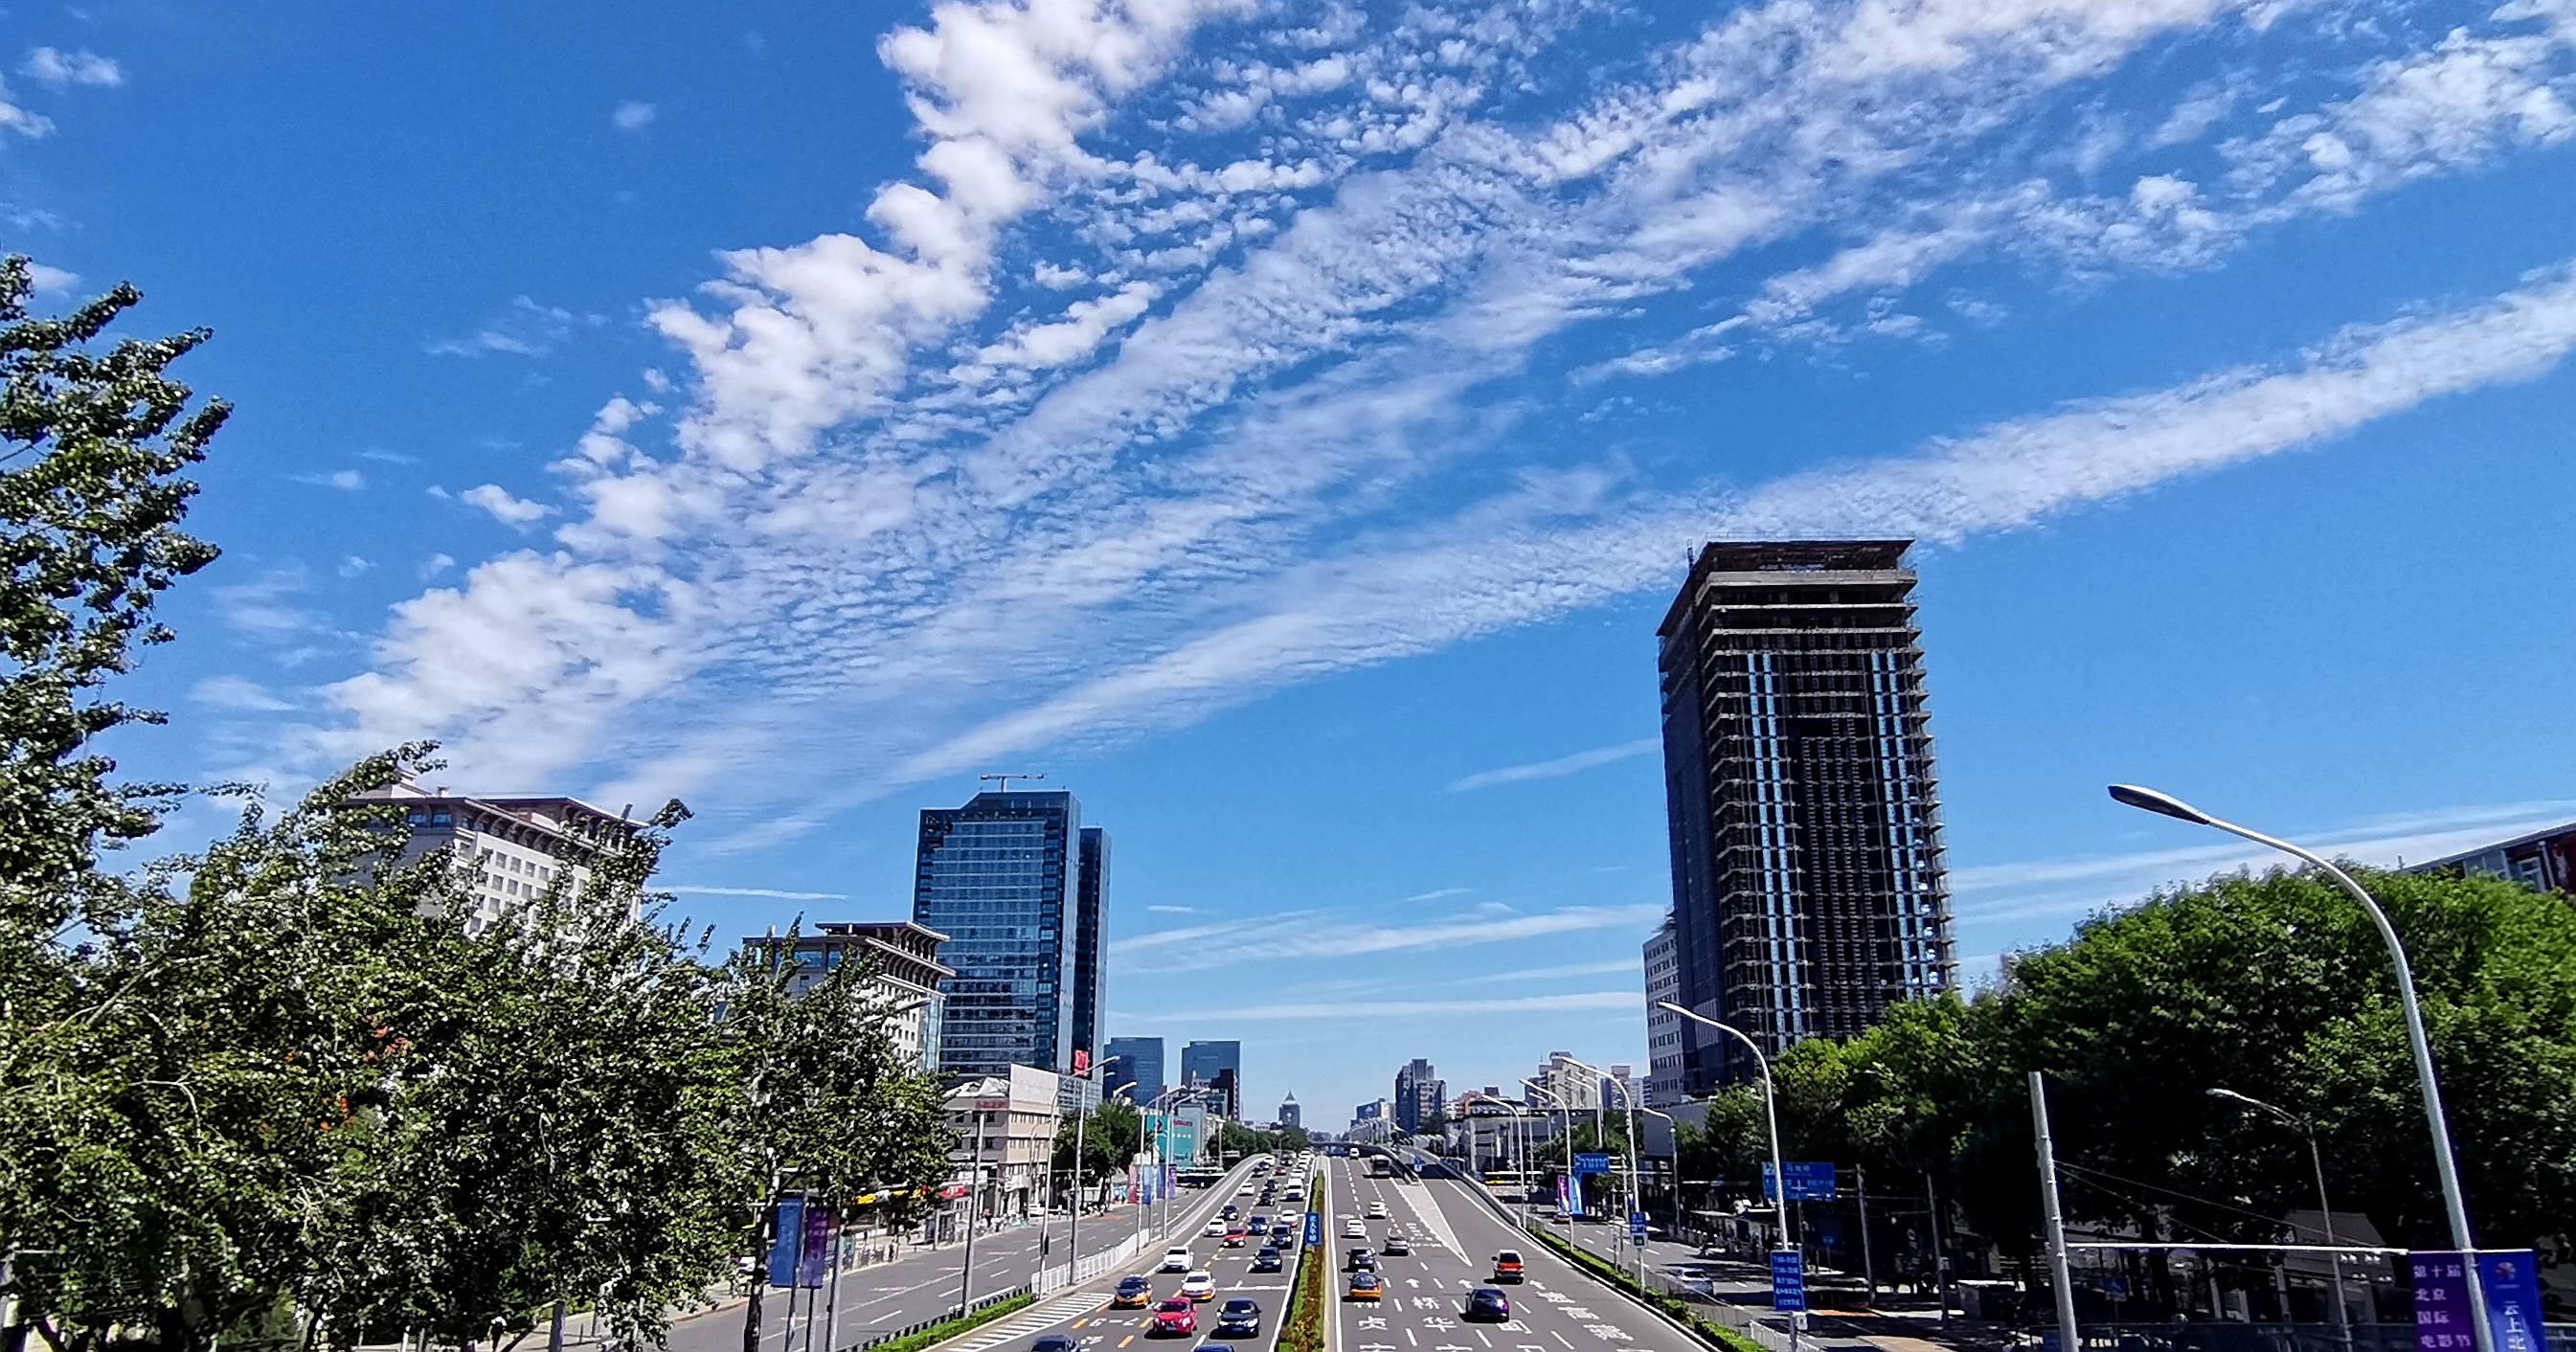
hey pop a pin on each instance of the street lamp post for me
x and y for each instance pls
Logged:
(1569, 1148)
(1770, 1113)
(1073, 1236)
(2325, 1208)
(2150, 800)
(1677, 1165)
(1628, 1104)
(974, 1185)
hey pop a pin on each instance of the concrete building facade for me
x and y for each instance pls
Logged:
(508, 850)
(903, 975)
(1809, 887)
(1663, 1027)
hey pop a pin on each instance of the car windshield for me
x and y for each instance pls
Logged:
(1175, 1305)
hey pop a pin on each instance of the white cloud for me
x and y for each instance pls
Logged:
(525, 329)
(510, 511)
(1573, 763)
(1270, 939)
(345, 480)
(1173, 910)
(436, 564)
(264, 606)
(21, 120)
(50, 280)
(1635, 966)
(1437, 893)
(767, 893)
(352, 565)
(631, 116)
(240, 695)
(53, 66)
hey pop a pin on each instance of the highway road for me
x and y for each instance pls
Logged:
(1454, 1239)
(892, 1295)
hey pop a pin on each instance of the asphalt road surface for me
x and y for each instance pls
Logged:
(887, 1296)
(1454, 1239)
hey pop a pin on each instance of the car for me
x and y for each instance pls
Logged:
(1358, 1259)
(1239, 1319)
(1486, 1302)
(1396, 1245)
(1377, 1211)
(1134, 1293)
(1366, 1286)
(1243, 1191)
(1176, 1258)
(1507, 1266)
(1268, 1260)
(1230, 1212)
(1214, 1229)
(1054, 1342)
(1200, 1285)
(1259, 1224)
(1174, 1316)
(1233, 1239)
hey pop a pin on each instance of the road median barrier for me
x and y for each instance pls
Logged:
(1675, 1310)
(1310, 1296)
(933, 1334)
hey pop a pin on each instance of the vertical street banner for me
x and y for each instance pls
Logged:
(787, 1238)
(817, 1257)
(2510, 1281)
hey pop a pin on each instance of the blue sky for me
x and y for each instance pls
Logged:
(1284, 424)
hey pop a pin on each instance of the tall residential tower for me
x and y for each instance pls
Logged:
(1808, 884)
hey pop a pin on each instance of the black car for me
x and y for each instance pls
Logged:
(1229, 1213)
(1360, 1260)
(1268, 1260)
(1486, 1302)
(1259, 1224)
(1054, 1342)
(1239, 1319)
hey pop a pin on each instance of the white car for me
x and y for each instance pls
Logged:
(1176, 1259)
(1377, 1211)
(1199, 1285)
(1352, 1229)
(1214, 1229)
(1244, 1191)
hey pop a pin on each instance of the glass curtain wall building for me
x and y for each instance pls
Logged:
(1137, 1061)
(1809, 890)
(1001, 877)
(1218, 1065)
(1090, 936)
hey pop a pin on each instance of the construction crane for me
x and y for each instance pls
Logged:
(1005, 780)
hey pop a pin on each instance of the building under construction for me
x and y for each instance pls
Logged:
(1808, 885)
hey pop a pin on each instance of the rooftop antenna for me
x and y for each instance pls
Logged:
(1005, 780)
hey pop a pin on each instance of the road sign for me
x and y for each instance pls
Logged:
(1788, 1281)
(1809, 1181)
(1314, 1228)
(1591, 1162)
(2509, 1280)
(1637, 1226)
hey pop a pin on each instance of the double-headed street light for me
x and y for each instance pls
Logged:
(1770, 1114)
(2325, 1208)
(1628, 1101)
(1536, 1087)
(2165, 804)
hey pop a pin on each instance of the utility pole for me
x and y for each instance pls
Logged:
(1868, 1269)
(1940, 1260)
(974, 1185)
(2060, 1274)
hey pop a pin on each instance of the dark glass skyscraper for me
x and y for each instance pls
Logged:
(1809, 891)
(1090, 934)
(1137, 1061)
(1218, 1065)
(1002, 878)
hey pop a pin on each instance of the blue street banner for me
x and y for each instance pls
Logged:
(1591, 1162)
(818, 1247)
(1809, 1181)
(1637, 1226)
(787, 1239)
(2510, 1281)
(1788, 1281)
(1314, 1228)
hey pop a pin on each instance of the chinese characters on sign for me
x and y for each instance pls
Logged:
(2508, 1279)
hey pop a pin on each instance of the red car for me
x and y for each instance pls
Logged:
(1175, 1316)
(1233, 1239)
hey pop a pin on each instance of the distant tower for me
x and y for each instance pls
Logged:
(1290, 1115)
(1809, 891)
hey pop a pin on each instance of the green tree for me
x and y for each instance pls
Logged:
(94, 444)
(1111, 1135)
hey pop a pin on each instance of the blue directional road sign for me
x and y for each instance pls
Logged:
(1788, 1281)
(1637, 1226)
(1314, 1228)
(1591, 1162)
(1809, 1181)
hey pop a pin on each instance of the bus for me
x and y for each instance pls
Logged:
(1380, 1166)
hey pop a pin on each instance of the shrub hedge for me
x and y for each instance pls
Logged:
(1682, 1311)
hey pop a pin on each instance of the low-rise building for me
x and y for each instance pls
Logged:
(509, 849)
(1005, 1139)
(2541, 859)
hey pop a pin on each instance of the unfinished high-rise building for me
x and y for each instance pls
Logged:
(1808, 885)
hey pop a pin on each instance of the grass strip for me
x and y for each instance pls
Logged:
(940, 1333)
(1301, 1329)
(1682, 1311)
